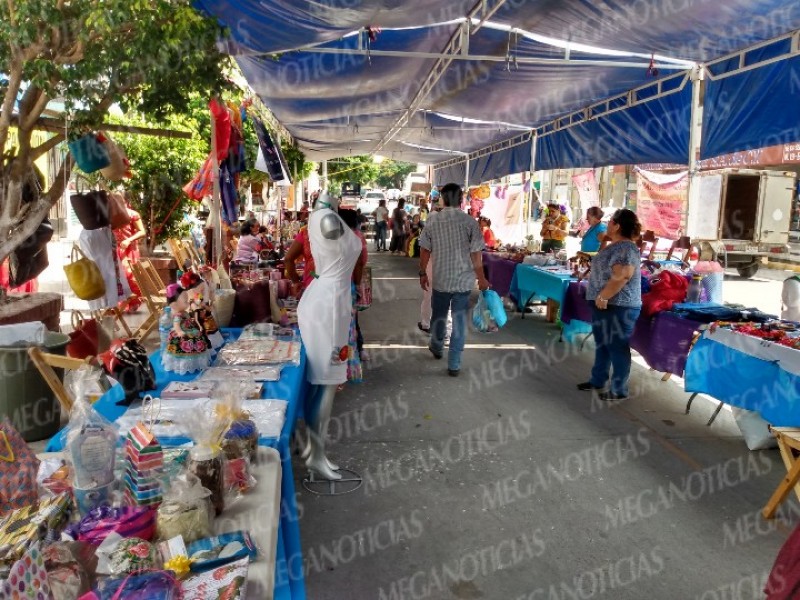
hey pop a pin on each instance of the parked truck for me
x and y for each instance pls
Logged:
(741, 216)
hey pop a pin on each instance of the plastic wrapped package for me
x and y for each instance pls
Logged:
(210, 553)
(154, 585)
(207, 428)
(126, 521)
(131, 556)
(68, 566)
(91, 439)
(185, 511)
(228, 581)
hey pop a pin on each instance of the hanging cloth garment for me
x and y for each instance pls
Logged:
(222, 125)
(100, 246)
(203, 183)
(230, 201)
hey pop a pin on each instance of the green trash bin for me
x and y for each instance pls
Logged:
(25, 398)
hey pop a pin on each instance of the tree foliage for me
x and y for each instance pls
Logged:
(148, 55)
(357, 169)
(160, 166)
(393, 173)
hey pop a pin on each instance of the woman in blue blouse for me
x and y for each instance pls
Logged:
(593, 237)
(616, 294)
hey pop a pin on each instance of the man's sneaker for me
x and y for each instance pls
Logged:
(452, 372)
(611, 397)
(436, 355)
(422, 328)
(587, 386)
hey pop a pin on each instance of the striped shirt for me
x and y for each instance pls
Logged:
(451, 236)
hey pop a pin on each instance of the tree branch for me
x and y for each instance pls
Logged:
(47, 146)
(14, 81)
(27, 121)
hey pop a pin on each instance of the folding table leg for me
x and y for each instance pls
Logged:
(689, 403)
(780, 493)
(714, 416)
(528, 301)
(788, 457)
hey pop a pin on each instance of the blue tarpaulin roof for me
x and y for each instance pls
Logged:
(528, 62)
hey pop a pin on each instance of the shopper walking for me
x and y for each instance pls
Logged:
(456, 240)
(398, 223)
(381, 215)
(615, 291)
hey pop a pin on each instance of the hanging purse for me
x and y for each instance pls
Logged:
(118, 162)
(91, 208)
(90, 153)
(84, 276)
(29, 260)
(88, 337)
(118, 215)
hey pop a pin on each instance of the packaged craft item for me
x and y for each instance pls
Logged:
(131, 556)
(127, 521)
(18, 470)
(241, 440)
(185, 510)
(36, 522)
(144, 467)
(238, 479)
(228, 581)
(208, 426)
(213, 552)
(66, 570)
(27, 578)
(91, 444)
(160, 585)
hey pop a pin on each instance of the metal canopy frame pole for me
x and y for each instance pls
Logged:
(695, 139)
(216, 204)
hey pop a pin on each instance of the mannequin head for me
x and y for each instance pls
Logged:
(325, 200)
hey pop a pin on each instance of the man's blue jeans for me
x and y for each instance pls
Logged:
(612, 329)
(456, 303)
(380, 235)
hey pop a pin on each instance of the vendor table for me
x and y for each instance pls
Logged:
(257, 513)
(747, 372)
(499, 272)
(292, 387)
(531, 282)
(663, 340)
(251, 304)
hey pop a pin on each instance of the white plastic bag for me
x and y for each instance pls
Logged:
(755, 430)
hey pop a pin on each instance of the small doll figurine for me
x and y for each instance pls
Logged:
(204, 308)
(188, 348)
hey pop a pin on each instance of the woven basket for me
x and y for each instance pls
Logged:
(223, 306)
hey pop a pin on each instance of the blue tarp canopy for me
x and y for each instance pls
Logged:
(447, 78)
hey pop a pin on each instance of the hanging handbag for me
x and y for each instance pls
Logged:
(118, 162)
(84, 276)
(118, 215)
(29, 260)
(91, 208)
(364, 290)
(88, 337)
(90, 153)
(18, 469)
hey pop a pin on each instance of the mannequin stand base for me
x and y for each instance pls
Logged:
(349, 482)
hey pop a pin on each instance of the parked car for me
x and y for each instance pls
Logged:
(393, 194)
(369, 202)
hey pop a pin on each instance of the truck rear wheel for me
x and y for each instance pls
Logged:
(748, 270)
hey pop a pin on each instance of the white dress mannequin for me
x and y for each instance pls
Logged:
(790, 299)
(323, 316)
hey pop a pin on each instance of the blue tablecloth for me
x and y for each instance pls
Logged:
(531, 282)
(292, 387)
(748, 373)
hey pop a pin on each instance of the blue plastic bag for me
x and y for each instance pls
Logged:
(480, 315)
(495, 306)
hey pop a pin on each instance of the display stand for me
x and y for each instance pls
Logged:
(333, 487)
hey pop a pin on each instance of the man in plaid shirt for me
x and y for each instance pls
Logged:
(456, 240)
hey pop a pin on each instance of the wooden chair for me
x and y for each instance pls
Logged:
(153, 300)
(155, 279)
(117, 314)
(648, 237)
(683, 244)
(789, 446)
(47, 363)
(179, 253)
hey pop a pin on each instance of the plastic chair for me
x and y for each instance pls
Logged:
(648, 237)
(47, 363)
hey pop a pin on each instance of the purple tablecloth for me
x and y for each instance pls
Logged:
(499, 271)
(663, 341)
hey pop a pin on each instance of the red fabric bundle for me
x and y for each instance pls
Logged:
(666, 289)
